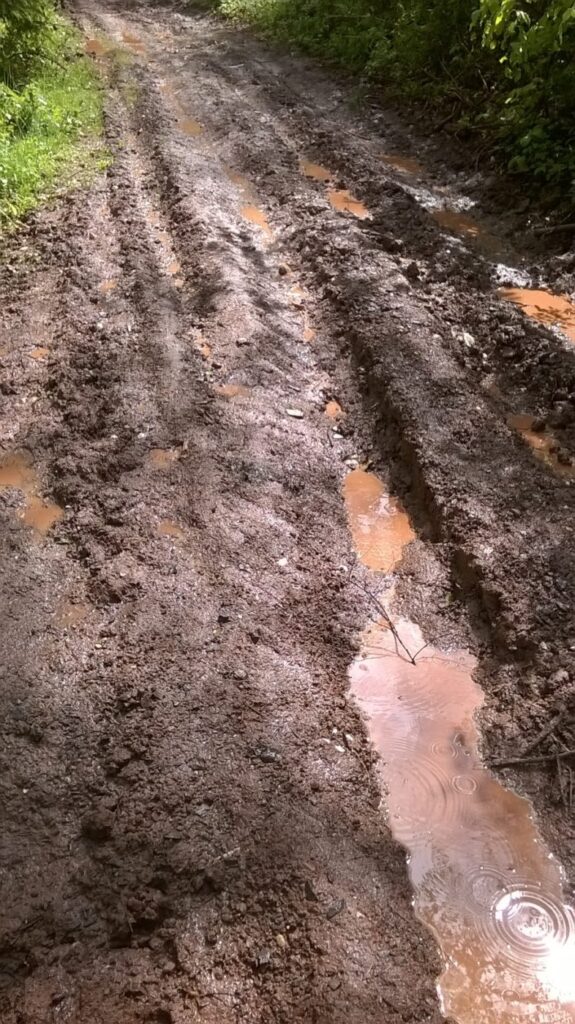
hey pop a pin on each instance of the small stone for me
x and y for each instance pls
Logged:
(281, 941)
(310, 892)
(283, 270)
(97, 825)
(263, 957)
(240, 673)
(335, 909)
(296, 414)
(224, 615)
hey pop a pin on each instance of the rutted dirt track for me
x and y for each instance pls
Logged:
(193, 826)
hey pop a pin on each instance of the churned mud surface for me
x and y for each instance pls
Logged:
(205, 357)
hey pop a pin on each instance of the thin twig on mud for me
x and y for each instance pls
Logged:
(544, 759)
(383, 611)
(548, 229)
(545, 732)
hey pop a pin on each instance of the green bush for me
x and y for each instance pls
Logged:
(49, 98)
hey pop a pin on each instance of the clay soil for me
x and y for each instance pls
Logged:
(192, 823)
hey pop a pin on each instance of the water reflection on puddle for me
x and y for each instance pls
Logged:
(379, 526)
(18, 472)
(542, 305)
(484, 882)
(542, 442)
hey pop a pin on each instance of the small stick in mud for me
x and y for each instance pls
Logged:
(383, 611)
(544, 759)
(545, 732)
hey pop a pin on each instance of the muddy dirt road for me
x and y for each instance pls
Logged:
(264, 383)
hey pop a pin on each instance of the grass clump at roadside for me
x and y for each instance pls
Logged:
(50, 107)
(502, 72)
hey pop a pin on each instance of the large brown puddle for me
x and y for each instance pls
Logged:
(541, 305)
(484, 882)
(18, 472)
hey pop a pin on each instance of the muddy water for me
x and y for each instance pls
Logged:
(250, 211)
(163, 458)
(542, 442)
(134, 43)
(39, 352)
(190, 127)
(315, 171)
(167, 528)
(341, 199)
(96, 48)
(108, 285)
(233, 391)
(72, 614)
(459, 223)
(484, 882)
(541, 305)
(379, 526)
(18, 472)
(334, 411)
(406, 164)
(256, 216)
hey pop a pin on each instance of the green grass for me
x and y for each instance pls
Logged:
(49, 133)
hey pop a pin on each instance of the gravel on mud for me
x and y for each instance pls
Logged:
(193, 825)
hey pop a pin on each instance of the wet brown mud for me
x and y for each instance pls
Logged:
(191, 812)
(543, 443)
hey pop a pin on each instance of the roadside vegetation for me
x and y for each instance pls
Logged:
(50, 105)
(499, 71)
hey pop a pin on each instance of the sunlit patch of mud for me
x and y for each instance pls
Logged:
(379, 526)
(190, 127)
(484, 882)
(39, 352)
(343, 201)
(18, 472)
(542, 305)
(542, 442)
(405, 164)
(70, 615)
(233, 391)
(163, 458)
(334, 411)
(167, 528)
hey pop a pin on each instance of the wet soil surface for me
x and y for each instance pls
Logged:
(202, 357)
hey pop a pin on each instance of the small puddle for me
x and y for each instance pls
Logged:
(39, 352)
(18, 472)
(542, 442)
(315, 171)
(96, 48)
(379, 526)
(233, 391)
(190, 127)
(309, 333)
(163, 458)
(256, 216)
(542, 305)
(343, 201)
(406, 164)
(457, 222)
(174, 268)
(72, 614)
(485, 884)
(167, 528)
(334, 411)
(108, 285)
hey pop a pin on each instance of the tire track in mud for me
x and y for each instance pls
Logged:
(218, 854)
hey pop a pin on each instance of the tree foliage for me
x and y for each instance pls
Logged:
(506, 67)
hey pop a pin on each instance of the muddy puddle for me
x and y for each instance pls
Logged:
(39, 352)
(544, 306)
(107, 286)
(405, 164)
(484, 883)
(17, 471)
(340, 198)
(379, 526)
(232, 391)
(167, 528)
(70, 614)
(96, 48)
(543, 443)
(190, 127)
(333, 410)
(163, 458)
(250, 210)
(134, 43)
